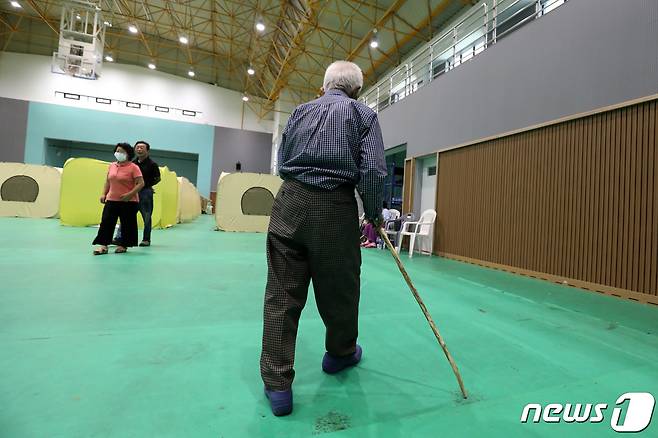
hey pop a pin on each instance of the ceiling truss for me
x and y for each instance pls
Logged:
(301, 38)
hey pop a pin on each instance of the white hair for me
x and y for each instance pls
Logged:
(343, 75)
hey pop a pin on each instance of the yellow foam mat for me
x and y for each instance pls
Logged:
(231, 191)
(189, 201)
(82, 185)
(29, 190)
(167, 188)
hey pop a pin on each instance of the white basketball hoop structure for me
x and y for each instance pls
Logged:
(81, 41)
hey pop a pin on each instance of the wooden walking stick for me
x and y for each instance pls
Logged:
(384, 237)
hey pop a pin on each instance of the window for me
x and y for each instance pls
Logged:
(76, 50)
(548, 5)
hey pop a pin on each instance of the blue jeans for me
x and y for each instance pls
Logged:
(146, 210)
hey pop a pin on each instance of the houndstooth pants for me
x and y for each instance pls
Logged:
(313, 235)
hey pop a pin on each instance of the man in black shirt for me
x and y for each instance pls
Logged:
(151, 174)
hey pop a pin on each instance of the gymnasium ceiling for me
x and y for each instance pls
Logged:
(301, 37)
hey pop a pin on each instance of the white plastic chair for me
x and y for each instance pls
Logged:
(421, 228)
(395, 214)
(389, 226)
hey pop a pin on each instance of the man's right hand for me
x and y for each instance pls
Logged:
(103, 199)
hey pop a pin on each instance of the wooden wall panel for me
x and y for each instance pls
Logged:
(575, 201)
(408, 185)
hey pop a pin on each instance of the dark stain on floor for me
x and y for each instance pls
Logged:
(459, 399)
(331, 422)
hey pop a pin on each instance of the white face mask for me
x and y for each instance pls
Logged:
(120, 156)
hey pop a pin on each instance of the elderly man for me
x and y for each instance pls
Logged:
(329, 146)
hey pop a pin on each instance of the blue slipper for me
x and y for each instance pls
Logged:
(333, 365)
(280, 401)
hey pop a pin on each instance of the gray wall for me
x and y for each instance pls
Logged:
(584, 55)
(184, 164)
(252, 149)
(13, 128)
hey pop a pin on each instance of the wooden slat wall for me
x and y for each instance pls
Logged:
(576, 201)
(408, 185)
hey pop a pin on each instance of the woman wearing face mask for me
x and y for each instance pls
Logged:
(124, 181)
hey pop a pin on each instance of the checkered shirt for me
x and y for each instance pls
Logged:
(335, 140)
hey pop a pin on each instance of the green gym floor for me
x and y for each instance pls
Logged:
(165, 341)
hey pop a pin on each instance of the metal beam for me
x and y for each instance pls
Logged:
(42, 15)
(11, 35)
(361, 17)
(427, 21)
(307, 22)
(302, 36)
(163, 44)
(383, 19)
(13, 29)
(406, 22)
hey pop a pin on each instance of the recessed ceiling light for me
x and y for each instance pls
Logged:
(190, 73)
(260, 26)
(374, 42)
(245, 98)
(78, 17)
(250, 71)
(132, 28)
(107, 23)
(108, 58)
(15, 4)
(183, 40)
(151, 66)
